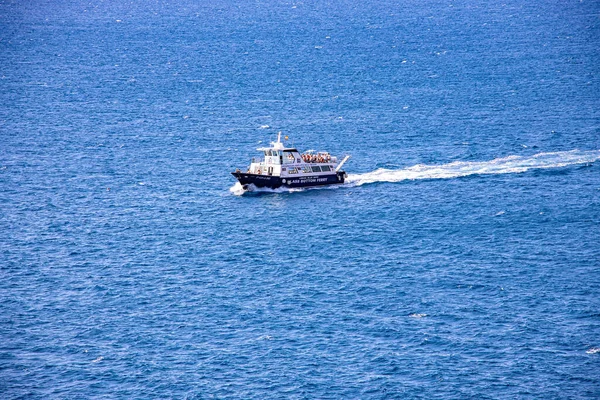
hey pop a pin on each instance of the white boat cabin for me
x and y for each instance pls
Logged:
(281, 161)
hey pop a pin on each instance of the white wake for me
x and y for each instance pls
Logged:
(239, 190)
(506, 165)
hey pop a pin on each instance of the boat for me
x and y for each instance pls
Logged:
(286, 167)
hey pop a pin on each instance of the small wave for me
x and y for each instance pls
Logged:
(415, 315)
(505, 165)
(593, 350)
(98, 359)
(237, 189)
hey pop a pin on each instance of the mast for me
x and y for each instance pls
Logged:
(278, 145)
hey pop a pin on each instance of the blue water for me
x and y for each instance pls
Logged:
(461, 259)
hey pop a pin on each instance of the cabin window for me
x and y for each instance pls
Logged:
(316, 169)
(307, 170)
(292, 171)
(325, 168)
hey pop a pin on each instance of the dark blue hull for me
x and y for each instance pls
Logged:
(274, 182)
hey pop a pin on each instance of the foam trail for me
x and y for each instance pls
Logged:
(506, 165)
(238, 189)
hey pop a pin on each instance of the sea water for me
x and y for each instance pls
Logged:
(460, 260)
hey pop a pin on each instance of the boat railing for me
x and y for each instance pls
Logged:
(331, 160)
